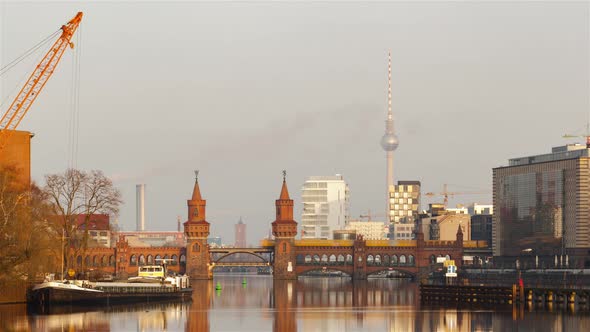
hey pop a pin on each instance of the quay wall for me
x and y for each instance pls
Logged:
(13, 292)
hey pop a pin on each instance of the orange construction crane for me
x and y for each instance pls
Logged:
(445, 193)
(29, 92)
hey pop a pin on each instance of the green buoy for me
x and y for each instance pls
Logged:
(244, 281)
(218, 286)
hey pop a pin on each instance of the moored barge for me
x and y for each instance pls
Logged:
(82, 292)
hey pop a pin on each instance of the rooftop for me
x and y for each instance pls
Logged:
(336, 177)
(569, 151)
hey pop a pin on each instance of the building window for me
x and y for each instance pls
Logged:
(182, 260)
(196, 247)
(402, 260)
(284, 247)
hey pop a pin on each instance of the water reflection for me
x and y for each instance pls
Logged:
(308, 304)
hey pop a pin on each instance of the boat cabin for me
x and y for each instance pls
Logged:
(152, 271)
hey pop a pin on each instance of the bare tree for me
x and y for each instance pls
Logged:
(77, 193)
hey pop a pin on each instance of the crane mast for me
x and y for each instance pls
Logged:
(35, 83)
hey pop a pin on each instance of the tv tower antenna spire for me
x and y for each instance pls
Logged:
(389, 141)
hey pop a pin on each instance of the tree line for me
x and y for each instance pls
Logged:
(39, 225)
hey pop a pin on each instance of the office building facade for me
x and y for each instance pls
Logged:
(404, 206)
(404, 202)
(325, 206)
(542, 203)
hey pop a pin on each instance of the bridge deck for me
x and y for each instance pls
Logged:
(241, 250)
(221, 264)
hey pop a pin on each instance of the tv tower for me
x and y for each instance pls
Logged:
(389, 141)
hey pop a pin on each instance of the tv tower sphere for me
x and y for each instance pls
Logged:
(389, 142)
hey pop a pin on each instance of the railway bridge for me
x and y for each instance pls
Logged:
(291, 258)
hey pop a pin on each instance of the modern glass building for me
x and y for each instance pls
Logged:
(542, 202)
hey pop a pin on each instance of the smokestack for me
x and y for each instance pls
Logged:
(140, 213)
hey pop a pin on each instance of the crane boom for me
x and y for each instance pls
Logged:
(445, 193)
(29, 92)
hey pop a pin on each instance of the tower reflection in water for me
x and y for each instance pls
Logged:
(198, 317)
(307, 304)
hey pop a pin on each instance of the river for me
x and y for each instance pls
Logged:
(308, 304)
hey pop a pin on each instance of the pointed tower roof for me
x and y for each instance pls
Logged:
(284, 190)
(196, 190)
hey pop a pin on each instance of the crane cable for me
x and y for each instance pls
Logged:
(27, 53)
(74, 103)
(19, 59)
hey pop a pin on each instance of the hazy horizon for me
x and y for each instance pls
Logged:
(243, 90)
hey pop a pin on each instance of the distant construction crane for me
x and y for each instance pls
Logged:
(369, 216)
(587, 136)
(445, 193)
(34, 85)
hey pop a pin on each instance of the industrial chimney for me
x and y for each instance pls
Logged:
(140, 213)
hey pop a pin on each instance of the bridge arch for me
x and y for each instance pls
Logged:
(220, 259)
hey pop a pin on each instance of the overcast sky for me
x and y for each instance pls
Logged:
(243, 90)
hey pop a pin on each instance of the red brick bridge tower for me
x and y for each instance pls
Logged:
(196, 229)
(284, 229)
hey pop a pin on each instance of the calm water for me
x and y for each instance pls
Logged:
(309, 304)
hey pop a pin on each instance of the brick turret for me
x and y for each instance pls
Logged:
(284, 229)
(196, 229)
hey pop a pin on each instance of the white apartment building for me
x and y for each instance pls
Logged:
(457, 210)
(370, 230)
(325, 206)
(480, 209)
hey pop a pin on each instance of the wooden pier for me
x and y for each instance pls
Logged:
(502, 295)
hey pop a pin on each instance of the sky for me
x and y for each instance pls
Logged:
(241, 90)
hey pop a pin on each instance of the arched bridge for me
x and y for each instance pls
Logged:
(357, 258)
(230, 257)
